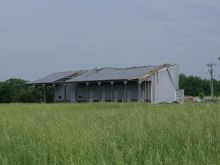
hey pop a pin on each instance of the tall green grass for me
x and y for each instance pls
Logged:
(133, 133)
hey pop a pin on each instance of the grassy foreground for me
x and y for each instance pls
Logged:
(133, 133)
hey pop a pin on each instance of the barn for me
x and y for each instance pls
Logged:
(154, 84)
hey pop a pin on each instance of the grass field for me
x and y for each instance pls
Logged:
(133, 133)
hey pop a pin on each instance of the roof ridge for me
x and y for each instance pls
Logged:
(68, 71)
(125, 67)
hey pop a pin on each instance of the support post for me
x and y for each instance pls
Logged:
(87, 84)
(76, 92)
(145, 91)
(125, 91)
(44, 93)
(152, 89)
(139, 90)
(54, 86)
(112, 91)
(100, 92)
(148, 92)
(211, 71)
(64, 92)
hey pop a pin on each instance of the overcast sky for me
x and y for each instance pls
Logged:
(38, 37)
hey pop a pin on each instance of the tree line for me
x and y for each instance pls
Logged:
(196, 86)
(16, 90)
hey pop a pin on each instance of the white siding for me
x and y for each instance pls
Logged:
(164, 85)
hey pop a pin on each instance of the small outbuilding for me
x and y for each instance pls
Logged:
(154, 84)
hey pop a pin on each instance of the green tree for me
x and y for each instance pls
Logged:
(16, 90)
(11, 90)
(195, 86)
(31, 95)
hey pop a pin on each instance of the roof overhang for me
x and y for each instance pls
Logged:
(56, 78)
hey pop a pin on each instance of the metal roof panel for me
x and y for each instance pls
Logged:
(107, 74)
(52, 78)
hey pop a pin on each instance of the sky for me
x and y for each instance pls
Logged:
(45, 36)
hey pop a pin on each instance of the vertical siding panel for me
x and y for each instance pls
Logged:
(164, 88)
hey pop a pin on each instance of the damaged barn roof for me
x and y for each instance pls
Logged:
(56, 77)
(104, 74)
(108, 74)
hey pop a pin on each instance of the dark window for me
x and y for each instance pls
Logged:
(80, 97)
